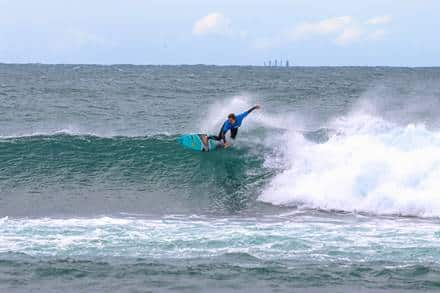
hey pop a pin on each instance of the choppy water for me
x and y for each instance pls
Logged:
(332, 186)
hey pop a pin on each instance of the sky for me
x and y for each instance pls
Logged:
(221, 32)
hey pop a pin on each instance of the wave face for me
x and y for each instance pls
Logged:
(123, 174)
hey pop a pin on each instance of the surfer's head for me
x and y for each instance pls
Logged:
(232, 119)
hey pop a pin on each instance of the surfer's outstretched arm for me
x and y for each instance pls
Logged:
(241, 116)
(253, 108)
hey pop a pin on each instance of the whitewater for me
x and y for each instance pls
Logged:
(367, 165)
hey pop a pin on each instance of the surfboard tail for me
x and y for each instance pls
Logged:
(199, 142)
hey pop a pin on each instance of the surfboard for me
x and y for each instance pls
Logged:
(195, 142)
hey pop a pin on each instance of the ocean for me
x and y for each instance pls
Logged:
(333, 186)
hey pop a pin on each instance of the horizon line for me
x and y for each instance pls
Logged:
(215, 65)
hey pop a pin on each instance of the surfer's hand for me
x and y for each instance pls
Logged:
(226, 145)
(257, 107)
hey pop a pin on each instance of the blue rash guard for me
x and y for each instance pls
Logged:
(239, 119)
(232, 127)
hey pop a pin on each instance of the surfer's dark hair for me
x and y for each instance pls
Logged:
(232, 116)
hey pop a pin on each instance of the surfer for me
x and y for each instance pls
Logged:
(232, 123)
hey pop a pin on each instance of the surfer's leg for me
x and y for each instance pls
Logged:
(205, 139)
(234, 132)
(217, 137)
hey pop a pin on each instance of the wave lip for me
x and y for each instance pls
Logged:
(371, 165)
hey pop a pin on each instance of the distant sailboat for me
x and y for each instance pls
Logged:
(277, 63)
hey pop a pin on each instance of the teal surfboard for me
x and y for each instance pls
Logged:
(195, 142)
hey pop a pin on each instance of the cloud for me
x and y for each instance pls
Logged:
(323, 27)
(384, 19)
(341, 30)
(212, 24)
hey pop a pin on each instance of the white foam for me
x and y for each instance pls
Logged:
(282, 237)
(69, 130)
(75, 131)
(371, 165)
